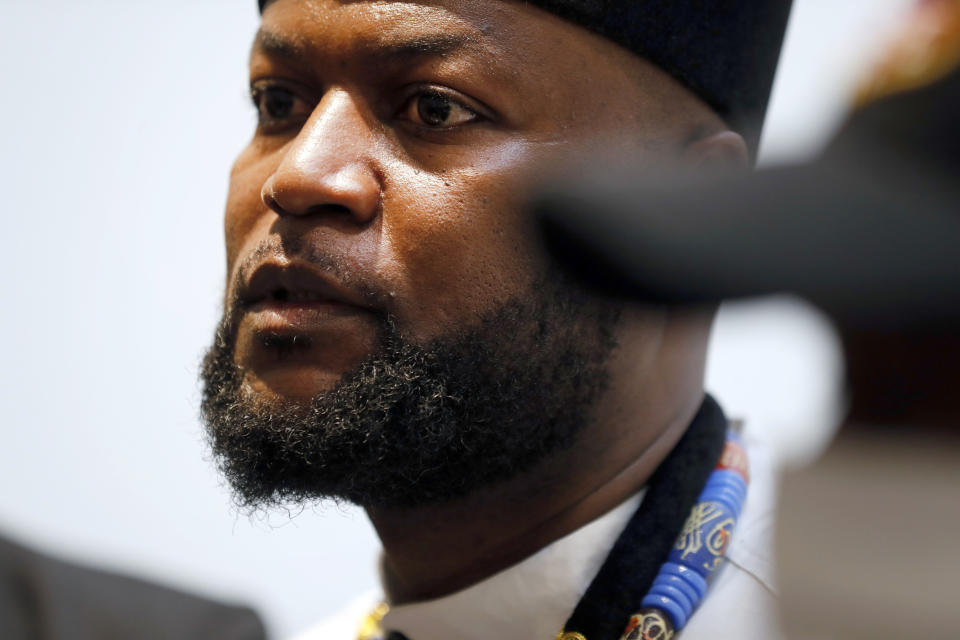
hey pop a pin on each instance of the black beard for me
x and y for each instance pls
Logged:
(417, 425)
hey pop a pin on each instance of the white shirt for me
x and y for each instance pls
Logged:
(532, 599)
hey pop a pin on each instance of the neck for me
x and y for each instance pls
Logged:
(434, 551)
(430, 552)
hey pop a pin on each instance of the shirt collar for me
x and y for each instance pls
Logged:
(527, 601)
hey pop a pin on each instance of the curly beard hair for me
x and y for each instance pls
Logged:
(415, 425)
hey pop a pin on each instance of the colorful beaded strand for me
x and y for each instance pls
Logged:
(682, 582)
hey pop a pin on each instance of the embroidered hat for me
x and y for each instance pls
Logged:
(725, 51)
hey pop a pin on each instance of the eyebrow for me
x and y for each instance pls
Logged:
(425, 45)
(277, 45)
(284, 47)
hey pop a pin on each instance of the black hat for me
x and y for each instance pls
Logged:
(725, 51)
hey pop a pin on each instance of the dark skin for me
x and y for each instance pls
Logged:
(398, 141)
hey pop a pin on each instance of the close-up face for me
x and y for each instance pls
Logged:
(390, 162)
(393, 332)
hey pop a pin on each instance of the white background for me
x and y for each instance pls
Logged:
(120, 120)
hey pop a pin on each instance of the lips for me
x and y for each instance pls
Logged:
(298, 328)
(279, 285)
(296, 299)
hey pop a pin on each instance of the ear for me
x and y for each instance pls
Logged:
(723, 150)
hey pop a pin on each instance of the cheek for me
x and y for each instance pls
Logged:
(244, 206)
(461, 242)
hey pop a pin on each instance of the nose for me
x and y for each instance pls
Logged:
(327, 167)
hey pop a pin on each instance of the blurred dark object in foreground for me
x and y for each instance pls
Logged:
(870, 233)
(42, 598)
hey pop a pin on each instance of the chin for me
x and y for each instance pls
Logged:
(299, 383)
(298, 367)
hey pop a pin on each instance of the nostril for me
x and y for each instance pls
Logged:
(330, 209)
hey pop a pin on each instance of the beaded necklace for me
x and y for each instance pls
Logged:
(698, 490)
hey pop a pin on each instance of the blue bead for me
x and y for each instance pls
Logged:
(724, 476)
(705, 535)
(679, 583)
(692, 578)
(723, 501)
(674, 594)
(735, 495)
(726, 485)
(727, 499)
(726, 479)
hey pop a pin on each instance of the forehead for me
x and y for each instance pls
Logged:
(335, 28)
(512, 37)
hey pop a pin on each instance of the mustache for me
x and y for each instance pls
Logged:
(283, 250)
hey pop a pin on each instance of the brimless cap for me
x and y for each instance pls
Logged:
(725, 51)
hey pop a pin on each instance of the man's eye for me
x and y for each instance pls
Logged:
(437, 110)
(276, 104)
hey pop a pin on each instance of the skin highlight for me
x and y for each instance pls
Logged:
(425, 223)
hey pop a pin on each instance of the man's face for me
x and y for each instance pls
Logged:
(394, 145)
(388, 306)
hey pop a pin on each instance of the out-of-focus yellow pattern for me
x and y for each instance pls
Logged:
(927, 49)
